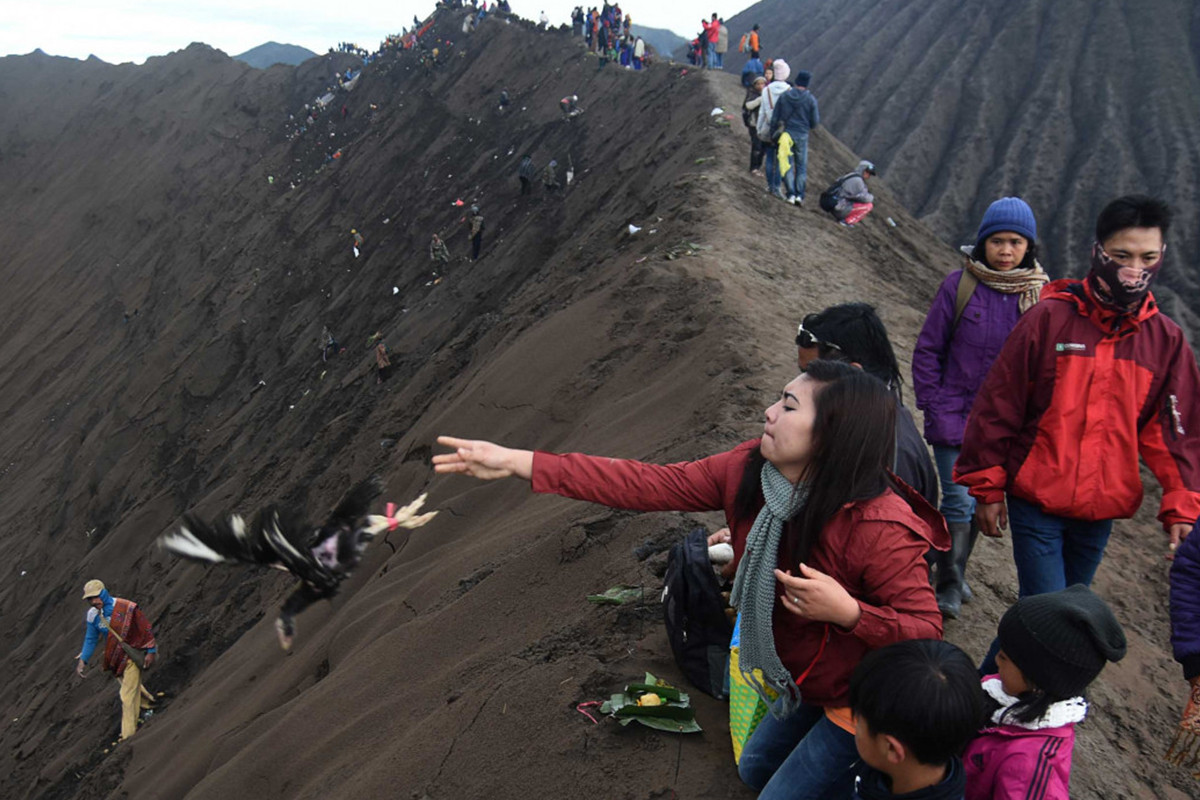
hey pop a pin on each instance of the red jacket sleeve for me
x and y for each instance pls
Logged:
(619, 483)
(1169, 442)
(998, 414)
(898, 603)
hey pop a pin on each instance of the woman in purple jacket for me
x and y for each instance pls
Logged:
(962, 336)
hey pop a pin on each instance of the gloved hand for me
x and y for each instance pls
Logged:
(1191, 714)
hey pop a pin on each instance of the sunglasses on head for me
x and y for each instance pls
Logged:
(807, 339)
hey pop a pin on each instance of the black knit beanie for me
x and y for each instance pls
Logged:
(1060, 641)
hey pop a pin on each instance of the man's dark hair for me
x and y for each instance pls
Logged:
(860, 337)
(924, 692)
(1133, 211)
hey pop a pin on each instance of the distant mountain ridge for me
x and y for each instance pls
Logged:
(266, 55)
(662, 40)
(1068, 104)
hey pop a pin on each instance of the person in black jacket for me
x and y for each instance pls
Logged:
(526, 172)
(854, 333)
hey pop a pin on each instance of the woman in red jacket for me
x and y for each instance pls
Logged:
(830, 557)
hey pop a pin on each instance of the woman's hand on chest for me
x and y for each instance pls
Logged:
(819, 597)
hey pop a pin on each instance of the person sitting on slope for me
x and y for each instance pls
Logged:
(830, 555)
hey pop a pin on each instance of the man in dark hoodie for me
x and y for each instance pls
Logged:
(854, 333)
(795, 115)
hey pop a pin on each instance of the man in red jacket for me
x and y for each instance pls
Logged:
(1089, 379)
(712, 32)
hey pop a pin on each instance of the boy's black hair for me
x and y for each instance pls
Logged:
(860, 337)
(924, 692)
(1133, 211)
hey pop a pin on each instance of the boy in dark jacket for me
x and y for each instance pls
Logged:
(916, 705)
(1089, 378)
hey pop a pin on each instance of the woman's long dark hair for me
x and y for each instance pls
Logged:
(1031, 252)
(854, 435)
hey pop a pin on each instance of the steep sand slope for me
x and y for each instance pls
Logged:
(452, 662)
(1068, 103)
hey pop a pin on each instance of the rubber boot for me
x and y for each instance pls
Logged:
(967, 594)
(950, 576)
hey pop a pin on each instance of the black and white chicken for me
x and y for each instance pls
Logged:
(321, 557)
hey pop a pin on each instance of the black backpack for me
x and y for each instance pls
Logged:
(694, 611)
(831, 196)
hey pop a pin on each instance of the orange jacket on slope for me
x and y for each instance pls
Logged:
(1075, 395)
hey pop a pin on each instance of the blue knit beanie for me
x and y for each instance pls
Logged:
(1008, 214)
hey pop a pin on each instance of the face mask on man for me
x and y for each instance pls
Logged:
(1122, 286)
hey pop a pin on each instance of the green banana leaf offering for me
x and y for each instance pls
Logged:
(672, 712)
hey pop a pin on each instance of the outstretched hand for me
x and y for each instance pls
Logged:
(482, 460)
(80, 666)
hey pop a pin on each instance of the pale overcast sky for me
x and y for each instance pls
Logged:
(132, 30)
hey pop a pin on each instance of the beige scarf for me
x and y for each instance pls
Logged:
(1026, 282)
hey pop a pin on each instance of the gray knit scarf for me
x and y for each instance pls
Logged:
(754, 592)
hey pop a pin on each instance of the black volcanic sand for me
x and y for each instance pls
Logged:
(1068, 104)
(451, 665)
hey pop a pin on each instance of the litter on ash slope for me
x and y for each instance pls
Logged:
(451, 664)
(1068, 103)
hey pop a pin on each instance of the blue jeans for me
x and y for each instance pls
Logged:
(1051, 554)
(771, 166)
(797, 177)
(957, 503)
(801, 757)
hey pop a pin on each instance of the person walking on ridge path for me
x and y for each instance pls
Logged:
(794, 116)
(124, 630)
(776, 86)
(722, 43)
(971, 317)
(750, 110)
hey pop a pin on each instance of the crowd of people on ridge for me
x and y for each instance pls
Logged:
(1039, 398)
(608, 32)
(779, 116)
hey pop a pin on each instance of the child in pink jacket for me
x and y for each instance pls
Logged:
(1051, 647)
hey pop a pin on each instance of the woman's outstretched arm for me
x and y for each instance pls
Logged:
(483, 460)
